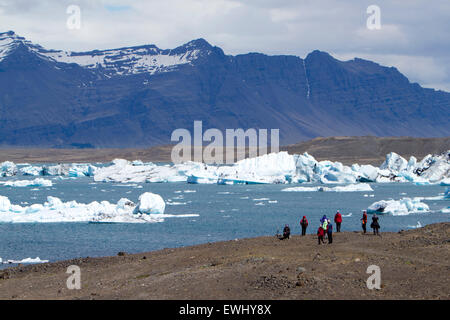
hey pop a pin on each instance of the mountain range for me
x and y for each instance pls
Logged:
(136, 96)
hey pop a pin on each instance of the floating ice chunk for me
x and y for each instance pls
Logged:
(169, 203)
(38, 182)
(150, 209)
(447, 193)
(301, 189)
(445, 210)
(404, 206)
(137, 163)
(150, 203)
(347, 215)
(360, 187)
(5, 204)
(434, 168)
(445, 182)
(394, 162)
(367, 173)
(25, 261)
(418, 225)
(32, 171)
(71, 170)
(351, 188)
(8, 169)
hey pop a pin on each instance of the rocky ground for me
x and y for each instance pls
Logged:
(414, 264)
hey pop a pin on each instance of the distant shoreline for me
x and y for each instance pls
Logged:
(348, 150)
(414, 265)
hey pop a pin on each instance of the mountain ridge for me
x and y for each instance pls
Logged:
(136, 96)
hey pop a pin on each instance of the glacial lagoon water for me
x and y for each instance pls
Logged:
(225, 212)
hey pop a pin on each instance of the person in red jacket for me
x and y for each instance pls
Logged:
(338, 221)
(364, 221)
(304, 225)
(320, 233)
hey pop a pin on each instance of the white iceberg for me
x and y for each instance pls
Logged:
(404, 206)
(124, 171)
(281, 168)
(349, 188)
(54, 210)
(65, 169)
(394, 163)
(150, 203)
(24, 261)
(445, 210)
(8, 169)
(32, 171)
(38, 182)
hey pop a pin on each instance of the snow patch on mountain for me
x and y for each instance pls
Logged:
(124, 61)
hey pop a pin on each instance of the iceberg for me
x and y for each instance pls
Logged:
(281, 168)
(71, 170)
(124, 171)
(32, 171)
(24, 261)
(151, 210)
(8, 169)
(28, 183)
(394, 163)
(150, 203)
(366, 173)
(404, 206)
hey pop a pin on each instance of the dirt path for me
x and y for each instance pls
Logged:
(414, 265)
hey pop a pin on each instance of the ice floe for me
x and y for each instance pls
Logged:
(38, 182)
(24, 261)
(283, 168)
(273, 168)
(360, 187)
(404, 206)
(418, 225)
(8, 169)
(71, 170)
(150, 208)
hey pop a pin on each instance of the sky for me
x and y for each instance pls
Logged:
(413, 35)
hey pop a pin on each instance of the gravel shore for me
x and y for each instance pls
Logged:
(414, 264)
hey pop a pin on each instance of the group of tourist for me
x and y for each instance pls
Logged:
(326, 228)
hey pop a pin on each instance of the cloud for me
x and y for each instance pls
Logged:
(412, 37)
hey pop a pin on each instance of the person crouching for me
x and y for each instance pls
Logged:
(286, 233)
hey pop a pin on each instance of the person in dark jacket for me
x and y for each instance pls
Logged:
(330, 232)
(375, 225)
(286, 233)
(320, 234)
(364, 221)
(338, 221)
(304, 225)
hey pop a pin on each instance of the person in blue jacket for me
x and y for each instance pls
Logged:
(330, 232)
